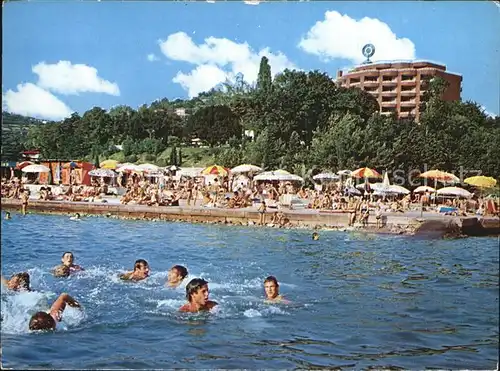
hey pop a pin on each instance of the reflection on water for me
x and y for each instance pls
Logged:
(357, 300)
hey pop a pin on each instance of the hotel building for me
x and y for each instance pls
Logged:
(399, 86)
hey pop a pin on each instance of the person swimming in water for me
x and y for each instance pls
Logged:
(48, 320)
(315, 236)
(61, 271)
(140, 272)
(272, 290)
(7, 216)
(68, 260)
(18, 282)
(197, 295)
(75, 217)
(176, 275)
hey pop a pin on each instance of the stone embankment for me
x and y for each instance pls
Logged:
(433, 225)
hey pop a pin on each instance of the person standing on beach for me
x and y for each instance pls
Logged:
(48, 320)
(197, 295)
(140, 272)
(262, 212)
(25, 196)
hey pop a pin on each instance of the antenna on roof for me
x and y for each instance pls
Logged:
(368, 51)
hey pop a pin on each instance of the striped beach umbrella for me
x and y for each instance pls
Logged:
(215, 170)
(365, 172)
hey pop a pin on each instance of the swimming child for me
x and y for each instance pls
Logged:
(272, 290)
(140, 272)
(48, 320)
(18, 282)
(176, 275)
(197, 296)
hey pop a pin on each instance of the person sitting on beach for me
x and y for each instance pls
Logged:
(48, 320)
(140, 272)
(176, 275)
(18, 282)
(68, 261)
(272, 290)
(197, 295)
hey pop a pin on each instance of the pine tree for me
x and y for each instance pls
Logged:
(264, 78)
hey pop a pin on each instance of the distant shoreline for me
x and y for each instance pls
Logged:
(411, 224)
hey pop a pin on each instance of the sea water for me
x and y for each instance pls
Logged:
(356, 300)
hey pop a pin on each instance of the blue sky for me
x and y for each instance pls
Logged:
(71, 56)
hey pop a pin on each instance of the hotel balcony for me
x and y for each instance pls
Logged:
(390, 93)
(408, 103)
(370, 83)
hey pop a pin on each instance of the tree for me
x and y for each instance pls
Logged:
(264, 78)
(215, 124)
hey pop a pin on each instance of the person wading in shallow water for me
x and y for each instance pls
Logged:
(176, 275)
(197, 296)
(272, 289)
(48, 320)
(141, 271)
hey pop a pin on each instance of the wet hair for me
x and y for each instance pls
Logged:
(272, 279)
(42, 321)
(183, 272)
(193, 286)
(61, 271)
(140, 263)
(67, 252)
(23, 279)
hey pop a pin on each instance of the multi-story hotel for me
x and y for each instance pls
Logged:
(399, 86)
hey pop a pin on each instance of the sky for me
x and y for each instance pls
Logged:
(70, 56)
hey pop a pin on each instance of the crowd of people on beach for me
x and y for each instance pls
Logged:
(197, 291)
(268, 197)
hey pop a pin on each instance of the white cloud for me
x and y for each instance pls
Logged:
(340, 36)
(67, 78)
(252, 2)
(218, 59)
(32, 100)
(152, 57)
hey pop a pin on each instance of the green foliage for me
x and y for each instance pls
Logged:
(302, 120)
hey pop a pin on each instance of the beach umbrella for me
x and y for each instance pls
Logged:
(454, 191)
(326, 176)
(344, 172)
(109, 164)
(102, 173)
(278, 175)
(215, 170)
(23, 164)
(128, 167)
(246, 168)
(423, 189)
(365, 172)
(149, 167)
(481, 181)
(35, 169)
(441, 176)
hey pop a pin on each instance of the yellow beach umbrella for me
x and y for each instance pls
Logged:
(215, 170)
(109, 164)
(481, 181)
(365, 172)
(442, 176)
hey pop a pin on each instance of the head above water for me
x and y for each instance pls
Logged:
(194, 286)
(141, 266)
(180, 270)
(42, 321)
(61, 271)
(20, 282)
(67, 258)
(271, 287)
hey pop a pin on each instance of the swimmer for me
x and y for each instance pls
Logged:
(176, 275)
(68, 260)
(47, 320)
(61, 271)
(7, 216)
(18, 282)
(197, 296)
(315, 236)
(75, 217)
(272, 289)
(141, 271)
